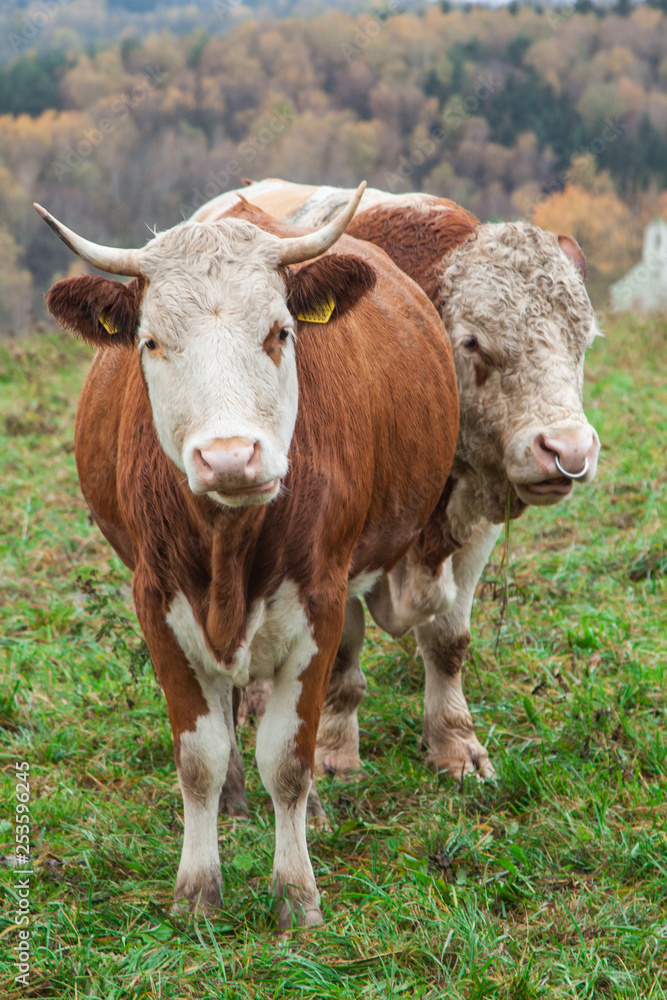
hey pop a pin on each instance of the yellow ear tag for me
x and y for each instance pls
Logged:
(106, 322)
(320, 312)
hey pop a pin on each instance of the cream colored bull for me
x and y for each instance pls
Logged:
(513, 301)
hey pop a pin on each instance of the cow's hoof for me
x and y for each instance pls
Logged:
(462, 758)
(182, 907)
(293, 914)
(234, 804)
(197, 894)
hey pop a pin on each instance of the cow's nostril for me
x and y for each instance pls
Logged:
(200, 460)
(256, 458)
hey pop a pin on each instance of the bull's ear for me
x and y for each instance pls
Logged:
(571, 249)
(328, 287)
(102, 311)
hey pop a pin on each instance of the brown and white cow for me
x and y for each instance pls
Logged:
(254, 469)
(514, 304)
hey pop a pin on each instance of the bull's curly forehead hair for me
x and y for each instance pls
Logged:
(512, 279)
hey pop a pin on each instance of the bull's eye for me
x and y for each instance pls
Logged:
(150, 345)
(283, 334)
(470, 343)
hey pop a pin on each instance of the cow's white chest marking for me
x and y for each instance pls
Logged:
(273, 628)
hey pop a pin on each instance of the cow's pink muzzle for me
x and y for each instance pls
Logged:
(232, 467)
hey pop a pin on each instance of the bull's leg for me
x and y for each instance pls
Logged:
(338, 734)
(286, 757)
(448, 731)
(200, 706)
(411, 593)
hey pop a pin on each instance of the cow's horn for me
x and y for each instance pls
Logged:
(296, 249)
(109, 259)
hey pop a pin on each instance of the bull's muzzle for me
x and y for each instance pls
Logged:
(552, 461)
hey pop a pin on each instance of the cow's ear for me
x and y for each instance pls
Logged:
(334, 280)
(571, 249)
(102, 311)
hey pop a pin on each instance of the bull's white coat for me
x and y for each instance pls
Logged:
(448, 728)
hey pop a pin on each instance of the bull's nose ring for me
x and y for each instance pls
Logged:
(572, 475)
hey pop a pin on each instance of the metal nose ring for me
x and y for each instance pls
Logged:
(572, 475)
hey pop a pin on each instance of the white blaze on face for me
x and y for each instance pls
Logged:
(520, 321)
(217, 351)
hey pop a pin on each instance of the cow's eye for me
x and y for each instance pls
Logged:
(283, 334)
(470, 343)
(150, 345)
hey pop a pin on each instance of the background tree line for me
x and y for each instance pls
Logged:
(556, 115)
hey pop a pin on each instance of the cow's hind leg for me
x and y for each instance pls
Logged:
(448, 731)
(199, 701)
(286, 756)
(338, 734)
(233, 800)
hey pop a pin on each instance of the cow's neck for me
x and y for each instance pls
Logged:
(234, 541)
(201, 549)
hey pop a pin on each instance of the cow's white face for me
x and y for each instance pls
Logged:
(216, 342)
(520, 320)
(208, 314)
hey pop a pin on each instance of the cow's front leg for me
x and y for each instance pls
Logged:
(286, 757)
(448, 731)
(411, 593)
(202, 767)
(199, 702)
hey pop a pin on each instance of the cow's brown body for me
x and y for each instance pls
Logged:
(363, 485)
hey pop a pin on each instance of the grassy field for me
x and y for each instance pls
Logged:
(550, 883)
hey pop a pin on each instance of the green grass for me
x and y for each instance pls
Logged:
(551, 883)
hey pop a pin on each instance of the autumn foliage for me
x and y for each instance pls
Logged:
(489, 107)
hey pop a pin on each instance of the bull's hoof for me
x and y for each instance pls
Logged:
(462, 758)
(339, 762)
(317, 817)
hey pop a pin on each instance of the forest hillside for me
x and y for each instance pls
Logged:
(554, 115)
